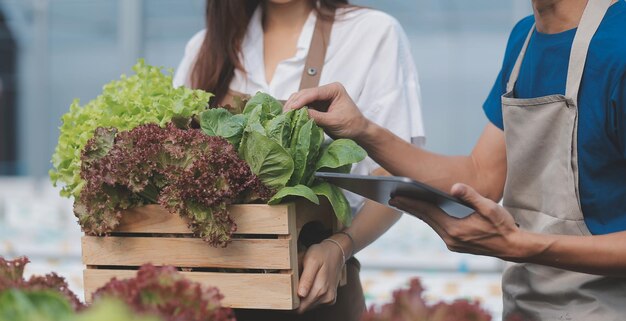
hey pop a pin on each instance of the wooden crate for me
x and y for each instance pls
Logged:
(257, 270)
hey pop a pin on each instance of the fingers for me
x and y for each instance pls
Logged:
(318, 117)
(321, 293)
(308, 96)
(430, 214)
(481, 204)
(311, 268)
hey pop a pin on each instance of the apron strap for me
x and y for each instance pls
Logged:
(589, 23)
(314, 61)
(317, 52)
(518, 63)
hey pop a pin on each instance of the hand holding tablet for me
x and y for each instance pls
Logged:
(381, 188)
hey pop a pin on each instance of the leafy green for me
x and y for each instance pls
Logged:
(255, 119)
(337, 200)
(300, 117)
(340, 153)
(285, 150)
(146, 97)
(271, 106)
(279, 128)
(267, 159)
(219, 122)
(112, 310)
(316, 141)
(298, 190)
(42, 305)
(300, 151)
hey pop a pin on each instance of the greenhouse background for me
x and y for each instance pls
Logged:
(52, 51)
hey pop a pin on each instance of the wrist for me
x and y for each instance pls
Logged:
(347, 241)
(337, 248)
(369, 133)
(527, 247)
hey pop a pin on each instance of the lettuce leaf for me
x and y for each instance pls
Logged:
(300, 152)
(291, 191)
(279, 129)
(267, 159)
(337, 200)
(340, 153)
(219, 122)
(270, 105)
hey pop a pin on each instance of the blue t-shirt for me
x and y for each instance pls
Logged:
(602, 107)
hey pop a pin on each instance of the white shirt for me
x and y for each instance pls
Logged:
(368, 53)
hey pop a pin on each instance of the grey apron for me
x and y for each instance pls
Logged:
(541, 192)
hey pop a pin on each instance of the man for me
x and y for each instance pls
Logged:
(555, 149)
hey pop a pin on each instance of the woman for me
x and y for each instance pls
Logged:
(281, 46)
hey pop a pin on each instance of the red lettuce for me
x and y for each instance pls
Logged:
(12, 277)
(165, 293)
(184, 170)
(409, 305)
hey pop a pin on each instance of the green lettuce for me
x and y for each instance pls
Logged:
(145, 97)
(285, 150)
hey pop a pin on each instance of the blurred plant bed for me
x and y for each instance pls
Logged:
(163, 293)
(151, 294)
(409, 304)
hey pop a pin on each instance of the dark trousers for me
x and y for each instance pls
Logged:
(350, 304)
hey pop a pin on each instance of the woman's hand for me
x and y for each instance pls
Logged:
(490, 231)
(343, 118)
(320, 277)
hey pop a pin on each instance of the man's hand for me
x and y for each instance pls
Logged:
(490, 231)
(343, 118)
(320, 277)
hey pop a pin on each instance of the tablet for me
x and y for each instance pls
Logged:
(380, 189)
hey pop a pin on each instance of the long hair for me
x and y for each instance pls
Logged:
(226, 25)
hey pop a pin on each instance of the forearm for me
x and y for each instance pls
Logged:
(372, 221)
(597, 254)
(404, 159)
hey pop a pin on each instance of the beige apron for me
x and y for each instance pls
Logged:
(541, 192)
(350, 303)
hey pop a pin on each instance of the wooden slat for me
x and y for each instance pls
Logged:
(293, 253)
(186, 252)
(309, 212)
(250, 219)
(240, 290)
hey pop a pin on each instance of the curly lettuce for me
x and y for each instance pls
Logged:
(145, 97)
(189, 173)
